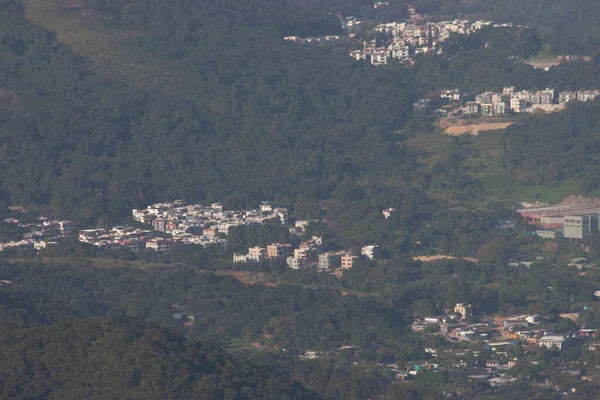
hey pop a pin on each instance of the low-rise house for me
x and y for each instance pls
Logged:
(450, 95)
(549, 341)
(240, 258)
(388, 212)
(512, 325)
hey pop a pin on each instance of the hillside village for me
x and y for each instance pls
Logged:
(399, 41)
(509, 101)
(38, 234)
(178, 222)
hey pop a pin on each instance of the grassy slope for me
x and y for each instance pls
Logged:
(109, 50)
(482, 162)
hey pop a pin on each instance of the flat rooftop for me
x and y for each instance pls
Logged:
(560, 210)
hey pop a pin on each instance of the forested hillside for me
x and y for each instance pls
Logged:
(113, 105)
(241, 115)
(117, 358)
(224, 308)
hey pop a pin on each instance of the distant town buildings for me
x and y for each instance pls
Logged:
(524, 101)
(575, 222)
(42, 233)
(413, 37)
(178, 222)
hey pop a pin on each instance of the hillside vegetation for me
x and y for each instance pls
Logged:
(117, 358)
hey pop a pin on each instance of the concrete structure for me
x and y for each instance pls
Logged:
(159, 245)
(517, 104)
(240, 258)
(509, 91)
(359, 55)
(257, 254)
(553, 340)
(547, 96)
(380, 57)
(547, 234)
(278, 250)
(464, 309)
(450, 95)
(472, 108)
(307, 254)
(347, 261)
(500, 108)
(580, 227)
(330, 260)
(371, 251)
(553, 217)
(512, 325)
(484, 98)
(388, 212)
(295, 263)
(487, 109)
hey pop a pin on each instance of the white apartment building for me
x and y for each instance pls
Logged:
(257, 254)
(371, 251)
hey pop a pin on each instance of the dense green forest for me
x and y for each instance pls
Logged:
(50, 354)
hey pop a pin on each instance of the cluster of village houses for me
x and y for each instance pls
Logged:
(511, 100)
(513, 330)
(405, 39)
(178, 222)
(397, 40)
(42, 233)
(508, 101)
(309, 253)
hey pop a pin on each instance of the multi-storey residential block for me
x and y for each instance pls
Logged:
(565, 97)
(257, 254)
(240, 258)
(371, 251)
(547, 96)
(347, 261)
(518, 104)
(487, 109)
(450, 95)
(159, 245)
(509, 91)
(278, 250)
(472, 108)
(330, 260)
(484, 98)
(500, 108)
(295, 263)
(464, 309)
(379, 56)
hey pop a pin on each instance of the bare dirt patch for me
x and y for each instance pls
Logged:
(474, 129)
